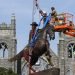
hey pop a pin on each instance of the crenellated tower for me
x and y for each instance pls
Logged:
(8, 43)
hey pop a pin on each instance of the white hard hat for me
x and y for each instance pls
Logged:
(44, 12)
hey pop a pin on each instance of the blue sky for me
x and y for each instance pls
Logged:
(23, 13)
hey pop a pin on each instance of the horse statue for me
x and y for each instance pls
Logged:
(40, 46)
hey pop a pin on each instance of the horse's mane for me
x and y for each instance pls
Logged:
(42, 30)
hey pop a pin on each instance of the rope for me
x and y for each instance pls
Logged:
(47, 20)
(36, 4)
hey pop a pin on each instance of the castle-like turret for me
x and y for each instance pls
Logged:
(13, 21)
(8, 43)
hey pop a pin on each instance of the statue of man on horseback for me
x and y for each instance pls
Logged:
(41, 45)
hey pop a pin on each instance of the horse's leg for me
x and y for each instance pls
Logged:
(30, 63)
(34, 59)
(47, 54)
(39, 49)
(48, 57)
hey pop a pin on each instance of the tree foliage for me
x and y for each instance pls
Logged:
(4, 71)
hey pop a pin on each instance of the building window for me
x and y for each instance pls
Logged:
(68, 72)
(3, 50)
(71, 50)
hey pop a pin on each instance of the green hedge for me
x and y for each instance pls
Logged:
(4, 71)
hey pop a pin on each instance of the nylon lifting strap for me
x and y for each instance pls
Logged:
(37, 35)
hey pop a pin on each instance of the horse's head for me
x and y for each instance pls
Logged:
(42, 33)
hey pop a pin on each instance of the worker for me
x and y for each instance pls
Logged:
(53, 14)
(44, 15)
(71, 23)
(33, 30)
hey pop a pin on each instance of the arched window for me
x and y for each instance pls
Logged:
(68, 72)
(3, 50)
(71, 50)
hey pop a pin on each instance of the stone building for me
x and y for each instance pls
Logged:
(66, 54)
(8, 43)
